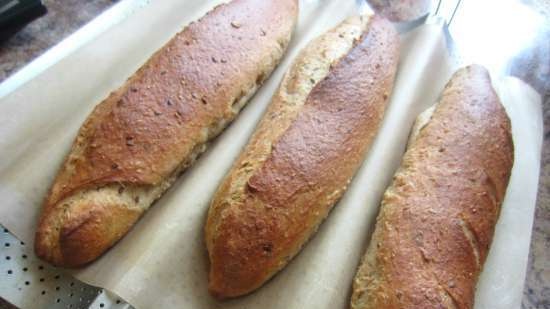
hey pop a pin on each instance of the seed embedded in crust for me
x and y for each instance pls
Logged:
(129, 141)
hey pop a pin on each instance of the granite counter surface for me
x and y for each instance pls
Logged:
(66, 16)
(63, 18)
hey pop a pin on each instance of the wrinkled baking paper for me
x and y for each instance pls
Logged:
(162, 262)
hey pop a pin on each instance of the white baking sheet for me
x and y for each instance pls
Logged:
(162, 262)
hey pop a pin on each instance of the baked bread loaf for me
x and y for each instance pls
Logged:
(438, 217)
(135, 143)
(303, 154)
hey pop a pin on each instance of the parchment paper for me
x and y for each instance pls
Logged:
(163, 262)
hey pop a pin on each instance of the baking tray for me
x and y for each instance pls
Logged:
(26, 281)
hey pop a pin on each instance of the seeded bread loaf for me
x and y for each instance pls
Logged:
(438, 217)
(135, 143)
(303, 154)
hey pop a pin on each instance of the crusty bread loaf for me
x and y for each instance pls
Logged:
(438, 217)
(136, 142)
(303, 154)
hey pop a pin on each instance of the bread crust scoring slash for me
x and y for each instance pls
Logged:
(303, 154)
(135, 143)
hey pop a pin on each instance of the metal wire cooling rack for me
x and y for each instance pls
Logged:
(28, 283)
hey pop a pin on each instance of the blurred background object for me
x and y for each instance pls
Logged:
(507, 36)
(15, 14)
(401, 10)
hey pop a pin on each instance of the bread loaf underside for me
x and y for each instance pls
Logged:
(438, 217)
(137, 141)
(303, 154)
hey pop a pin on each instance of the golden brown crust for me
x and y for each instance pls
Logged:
(254, 231)
(438, 218)
(158, 121)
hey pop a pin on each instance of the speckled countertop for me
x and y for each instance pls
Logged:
(537, 285)
(62, 19)
(533, 66)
